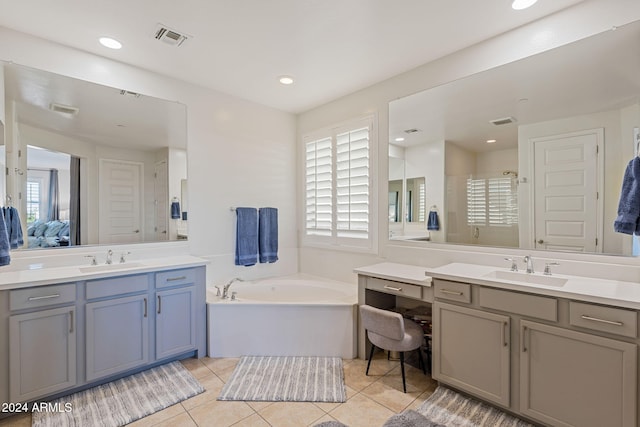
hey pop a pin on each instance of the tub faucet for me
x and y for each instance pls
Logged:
(225, 289)
(529, 261)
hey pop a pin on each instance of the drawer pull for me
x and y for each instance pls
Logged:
(159, 304)
(43, 297)
(505, 331)
(71, 321)
(391, 288)
(145, 308)
(448, 292)
(595, 319)
(524, 339)
(173, 279)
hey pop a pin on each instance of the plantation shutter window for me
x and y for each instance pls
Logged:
(338, 185)
(476, 202)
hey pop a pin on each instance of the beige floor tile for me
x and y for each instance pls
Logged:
(220, 364)
(182, 420)
(225, 374)
(291, 414)
(160, 416)
(254, 420)
(360, 411)
(416, 379)
(420, 400)
(197, 368)
(258, 406)
(326, 418)
(356, 378)
(391, 396)
(220, 414)
(18, 420)
(213, 385)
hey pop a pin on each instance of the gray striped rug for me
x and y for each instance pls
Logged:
(452, 409)
(286, 379)
(122, 401)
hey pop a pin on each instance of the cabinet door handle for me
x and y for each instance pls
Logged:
(71, 321)
(505, 332)
(159, 304)
(43, 297)
(595, 319)
(391, 288)
(145, 308)
(448, 292)
(524, 339)
(173, 279)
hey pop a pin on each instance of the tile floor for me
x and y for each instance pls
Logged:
(371, 400)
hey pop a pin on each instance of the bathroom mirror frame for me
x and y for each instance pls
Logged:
(113, 129)
(458, 114)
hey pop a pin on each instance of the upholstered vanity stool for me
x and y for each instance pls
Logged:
(390, 331)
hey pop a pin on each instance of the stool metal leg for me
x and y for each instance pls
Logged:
(370, 357)
(421, 360)
(404, 383)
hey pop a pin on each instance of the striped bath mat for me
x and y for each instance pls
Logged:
(452, 409)
(286, 379)
(122, 401)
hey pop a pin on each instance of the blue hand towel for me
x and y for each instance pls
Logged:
(432, 222)
(246, 236)
(268, 234)
(14, 228)
(629, 204)
(5, 258)
(175, 210)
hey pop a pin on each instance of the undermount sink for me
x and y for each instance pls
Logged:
(110, 267)
(517, 276)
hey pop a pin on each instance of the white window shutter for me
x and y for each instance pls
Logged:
(319, 187)
(352, 184)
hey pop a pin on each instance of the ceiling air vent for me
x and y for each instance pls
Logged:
(503, 121)
(410, 131)
(169, 36)
(129, 93)
(61, 108)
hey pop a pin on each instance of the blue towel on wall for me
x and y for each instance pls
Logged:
(175, 210)
(268, 234)
(629, 204)
(433, 223)
(5, 258)
(246, 236)
(14, 228)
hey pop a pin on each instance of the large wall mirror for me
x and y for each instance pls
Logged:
(88, 164)
(530, 154)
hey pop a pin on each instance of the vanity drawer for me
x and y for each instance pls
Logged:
(605, 319)
(518, 303)
(42, 296)
(395, 288)
(185, 276)
(117, 286)
(453, 291)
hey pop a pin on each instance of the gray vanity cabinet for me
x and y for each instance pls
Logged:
(175, 321)
(471, 351)
(42, 353)
(570, 378)
(117, 335)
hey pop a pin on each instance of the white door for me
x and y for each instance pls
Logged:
(161, 200)
(120, 207)
(566, 185)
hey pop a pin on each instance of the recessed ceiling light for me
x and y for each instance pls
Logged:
(522, 4)
(110, 43)
(285, 80)
(490, 141)
(399, 139)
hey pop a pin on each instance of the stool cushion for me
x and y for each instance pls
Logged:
(390, 331)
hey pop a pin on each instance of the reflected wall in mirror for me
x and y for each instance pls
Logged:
(531, 154)
(89, 164)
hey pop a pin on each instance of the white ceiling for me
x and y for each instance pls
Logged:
(240, 47)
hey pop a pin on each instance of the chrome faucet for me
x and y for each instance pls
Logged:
(122, 257)
(529, 261)
(109, 254)
(225, 289)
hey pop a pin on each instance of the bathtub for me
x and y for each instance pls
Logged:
(287, 316)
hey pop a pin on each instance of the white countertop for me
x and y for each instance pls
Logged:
(603, 291)
(35, 276)
(397, 272)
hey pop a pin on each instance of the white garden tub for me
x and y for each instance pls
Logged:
(287, 316)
